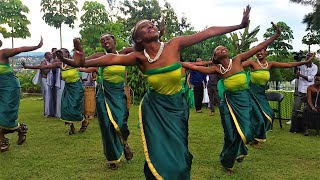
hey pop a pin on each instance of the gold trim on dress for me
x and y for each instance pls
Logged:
(116, 161)
(69, 121)
(265, 114)
(145, 147)
(236, 122)
(260, 140)
(115, 125)
(6, 128)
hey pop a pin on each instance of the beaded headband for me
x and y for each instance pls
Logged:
(137, 25)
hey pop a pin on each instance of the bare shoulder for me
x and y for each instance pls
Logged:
(174, 42)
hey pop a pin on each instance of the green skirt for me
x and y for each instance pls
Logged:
(9, 101)
(164, 132)
(111, 103)
(72, 102)
(235, 111)
(262, 112)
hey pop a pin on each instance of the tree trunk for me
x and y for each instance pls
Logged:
(60, 38)
(309, 48)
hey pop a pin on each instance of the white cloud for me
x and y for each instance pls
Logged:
(200, 13)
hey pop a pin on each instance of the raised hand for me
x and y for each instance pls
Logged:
(163, 27)
(278, 31)
(245, 17)
(40, 43)
(78, 56)
(59, 55)
(77, 44)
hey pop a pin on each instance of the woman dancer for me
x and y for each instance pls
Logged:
(259, 77)
(163, 111)
(112, 104)
(72, 96)
(235, 107)
(10, 97)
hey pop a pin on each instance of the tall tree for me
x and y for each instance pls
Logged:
(93, 23)
(58, 12)
(313, 37)
(205, 49)
(312, 19)
(242, 42)
(137, 10)
(12, 15)
(282, 45)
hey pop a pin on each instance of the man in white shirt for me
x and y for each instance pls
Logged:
(305, 76)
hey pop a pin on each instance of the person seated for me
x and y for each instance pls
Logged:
(311, 114)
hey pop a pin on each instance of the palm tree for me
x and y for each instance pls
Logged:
(242, 42)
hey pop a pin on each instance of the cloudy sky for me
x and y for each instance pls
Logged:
(200, 13)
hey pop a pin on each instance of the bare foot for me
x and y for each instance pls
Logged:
(114, 166)
(229, 171)
(240, 159)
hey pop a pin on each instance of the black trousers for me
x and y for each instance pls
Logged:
(213, 97)
(198, 95)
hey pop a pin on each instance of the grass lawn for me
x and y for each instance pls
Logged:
(50, 153)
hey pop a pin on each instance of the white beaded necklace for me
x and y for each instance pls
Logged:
(224, 70)
(157, 55)
(263, 66)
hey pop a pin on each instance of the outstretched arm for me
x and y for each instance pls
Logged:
(247, 63)
(291, 64)
(10, 52)
(49, 66)
(206, 70)
(112, 59)
(95, 55)
(185, 41)
(126, 50)
(106, 60)
(88, 70)
(246, 55)
(201, 63)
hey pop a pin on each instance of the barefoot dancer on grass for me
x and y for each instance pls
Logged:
(72, 96)
(235, 107)
(259, 77)
(10, 97)
(163, 111)
(111, 103)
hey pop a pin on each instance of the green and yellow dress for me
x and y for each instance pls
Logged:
(164, 115)
(235, 111)
(262, 112)
(72, 96)
(9, 98)
(112, 111)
